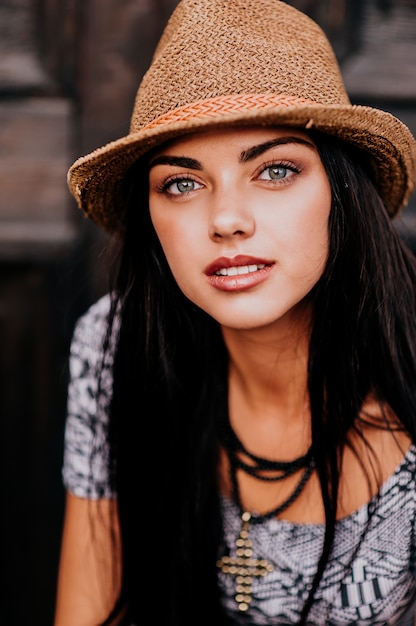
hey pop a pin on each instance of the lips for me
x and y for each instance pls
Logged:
(239, 273)
(240, 269)
(238, 265)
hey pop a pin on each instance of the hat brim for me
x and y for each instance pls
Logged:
(96, 180)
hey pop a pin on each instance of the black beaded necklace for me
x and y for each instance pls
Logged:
(243, 566)
(265, 470)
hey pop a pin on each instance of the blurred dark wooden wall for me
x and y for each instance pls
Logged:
(69, 70)
(68, 74)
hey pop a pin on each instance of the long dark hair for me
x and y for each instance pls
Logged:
(170, 375)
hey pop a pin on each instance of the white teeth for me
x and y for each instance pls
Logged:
(240, 269)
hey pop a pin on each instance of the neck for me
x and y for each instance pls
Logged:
(269, 364)
(267, 385)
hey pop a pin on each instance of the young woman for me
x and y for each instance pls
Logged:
(240, 440)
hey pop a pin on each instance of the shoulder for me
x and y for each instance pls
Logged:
(406, 472)
(91, 334)
(395, 503)
(97, 312)
(91, 327)
(89, 395)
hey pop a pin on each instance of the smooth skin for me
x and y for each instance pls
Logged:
(243, 199)
(88, 574)
(242, 216)
(259, 194)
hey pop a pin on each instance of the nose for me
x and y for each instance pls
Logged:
(230, 217)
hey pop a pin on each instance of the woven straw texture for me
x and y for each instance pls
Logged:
(242, 62)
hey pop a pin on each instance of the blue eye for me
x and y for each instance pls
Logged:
(181, 186)
(185, 185)
(278, 171)
(275, 172)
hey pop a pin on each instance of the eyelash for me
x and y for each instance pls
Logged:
(177, 178)
(163, 188)
(287, 165)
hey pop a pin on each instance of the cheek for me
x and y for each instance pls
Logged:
(317, 240)
(164, 227)
(170, 241)
(313, 230)
(310, 233)
(179, 242)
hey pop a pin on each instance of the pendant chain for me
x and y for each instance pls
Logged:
(243, 567)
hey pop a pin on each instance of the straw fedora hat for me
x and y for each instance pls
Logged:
(242, 62)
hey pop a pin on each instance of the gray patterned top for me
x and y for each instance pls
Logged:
(377, 589)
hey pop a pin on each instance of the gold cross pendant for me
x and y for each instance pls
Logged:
(243, 567)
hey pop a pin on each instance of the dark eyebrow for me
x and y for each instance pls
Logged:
(246, 155)
(255, 151)
(185, 162)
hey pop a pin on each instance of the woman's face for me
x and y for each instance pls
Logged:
(242, 217)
